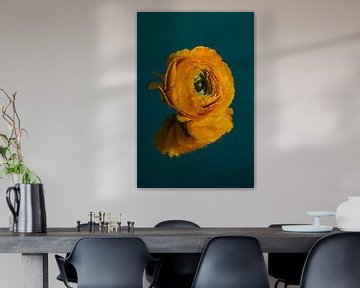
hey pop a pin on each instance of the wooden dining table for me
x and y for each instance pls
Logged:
(35, 247)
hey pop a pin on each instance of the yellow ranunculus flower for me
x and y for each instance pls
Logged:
(200, 87)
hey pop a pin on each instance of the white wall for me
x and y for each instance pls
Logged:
(73, 66)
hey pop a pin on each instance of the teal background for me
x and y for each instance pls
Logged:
(227, 163)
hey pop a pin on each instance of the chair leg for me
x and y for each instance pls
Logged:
(278, 282)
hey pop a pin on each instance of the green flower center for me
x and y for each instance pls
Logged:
(201, 84)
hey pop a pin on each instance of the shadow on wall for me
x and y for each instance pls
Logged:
(306, 117)
(309, 47)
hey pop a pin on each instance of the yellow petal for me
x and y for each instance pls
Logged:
(155, 85)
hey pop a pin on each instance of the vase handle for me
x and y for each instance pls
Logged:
(13, 208)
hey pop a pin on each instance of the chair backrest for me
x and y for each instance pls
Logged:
(178, 269)
(176, 224)
(333, 262)
(232, 262)
(110, 262)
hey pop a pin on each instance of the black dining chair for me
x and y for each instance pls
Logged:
(70, 271)
(108, 263)
(232, 262)
(286, 267)
(178, 269)
(333, 262)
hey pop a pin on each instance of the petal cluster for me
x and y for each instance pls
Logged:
(199, 85)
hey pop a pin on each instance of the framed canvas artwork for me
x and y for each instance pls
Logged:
(195, 100)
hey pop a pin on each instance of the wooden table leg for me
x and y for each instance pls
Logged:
(35, 270)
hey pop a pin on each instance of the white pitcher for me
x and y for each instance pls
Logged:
(348, 214)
